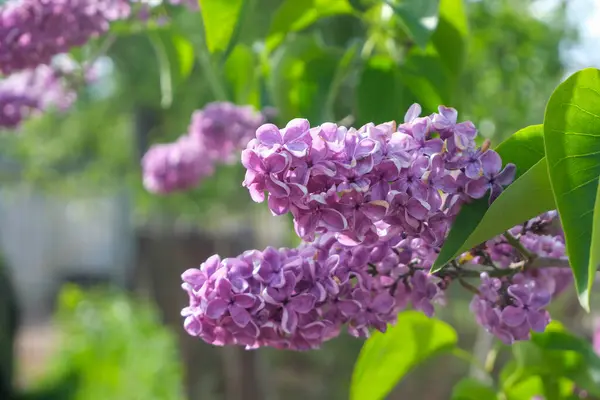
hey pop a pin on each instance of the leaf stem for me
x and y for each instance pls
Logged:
(468, 357)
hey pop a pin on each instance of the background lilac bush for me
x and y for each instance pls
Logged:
(398, 210)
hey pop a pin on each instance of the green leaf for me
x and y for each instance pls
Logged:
(572, 139)
(302, 72)
(386, 358)
(423, 73)
(164, 67)
(295, 15)
(585, 366)
(419, 18)
(175, 56)
(555, 356)
(344, 68)
(538, 386)
(472, 389)
(450, 36)
(381, 96)
(478, 222)
(184, 53)
(241, 71)
(220, 20)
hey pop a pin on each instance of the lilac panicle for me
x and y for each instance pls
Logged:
(373, 206)
(224, 128)
(33, 31)
(512, 307)
(298, 298)
(374, 182)
(216, 133)
(31, 92)
(174, 166)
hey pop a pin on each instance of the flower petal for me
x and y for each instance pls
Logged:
(289, 320)
(244, 300)
(413, 112)
(279, 205)
(507, 175)
(538, 320)
(491, 162)
(302, 303)
(333, 219)
(477, 188)
(252, 161)
(295, 129)
(216, 308)
(269, 135)
(513, 316)
(240, 315)
(375, 210)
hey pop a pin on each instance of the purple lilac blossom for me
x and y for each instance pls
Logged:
(174, 166)
(359, 287)
(31, 92)
(511, 307)
(299, 298)
(215, 135)
(224, 128)
(34, 31)
(373, 207)
(374, 182)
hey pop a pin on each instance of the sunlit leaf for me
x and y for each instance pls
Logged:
(295, 15)
(381, 95)
(572, 140)
(419, 17)
(472, 389)
(451, 35)
(387, 357)
(241, 71)
(220, 20)
(175, 58)
(301, 74)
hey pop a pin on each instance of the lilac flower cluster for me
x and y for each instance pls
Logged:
(214, 135)
(373, 207)
(33, 31)
(28, 92)
(375, 182)
(512, 306)
(299, 298)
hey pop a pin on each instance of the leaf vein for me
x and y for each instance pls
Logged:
(582, 109)
(595, 179)
(575, 133)
(593, 153)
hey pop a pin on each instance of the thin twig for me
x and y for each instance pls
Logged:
(514, 242)
(468, 286)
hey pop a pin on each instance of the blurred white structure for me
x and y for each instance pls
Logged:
(46, 238)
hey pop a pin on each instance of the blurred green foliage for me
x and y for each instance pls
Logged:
(112, 347)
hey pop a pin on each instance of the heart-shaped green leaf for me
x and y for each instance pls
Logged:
(572, 141)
